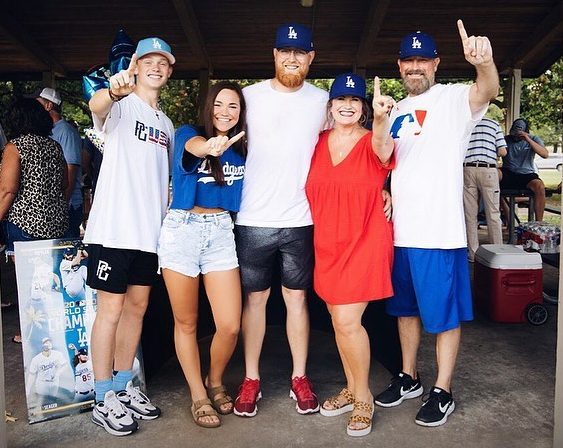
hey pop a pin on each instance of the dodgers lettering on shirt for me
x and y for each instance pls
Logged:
(232, 173)
(193, 184)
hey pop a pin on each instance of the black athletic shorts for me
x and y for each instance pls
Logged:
(515, 181)
(112, 270)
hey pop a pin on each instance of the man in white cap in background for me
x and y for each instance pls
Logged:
(66, 135)
(124, 225)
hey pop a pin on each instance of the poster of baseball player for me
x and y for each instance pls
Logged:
(57, 310)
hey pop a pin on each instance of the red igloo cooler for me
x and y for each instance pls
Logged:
(508, 285)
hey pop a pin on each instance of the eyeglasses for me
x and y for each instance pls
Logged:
(297, 53)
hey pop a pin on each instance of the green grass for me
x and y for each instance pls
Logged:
(551, 178)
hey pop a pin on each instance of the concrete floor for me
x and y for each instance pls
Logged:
(504, 391)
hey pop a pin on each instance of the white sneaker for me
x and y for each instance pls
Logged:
(113, 416)
(138, 403)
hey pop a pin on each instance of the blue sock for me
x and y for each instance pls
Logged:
(120, 379)
(101, 387)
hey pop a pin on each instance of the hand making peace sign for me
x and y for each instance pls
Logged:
(382, 104)
(123, 83)
(477, 50)
(216, 146)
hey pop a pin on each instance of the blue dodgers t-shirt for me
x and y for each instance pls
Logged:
(195, 185)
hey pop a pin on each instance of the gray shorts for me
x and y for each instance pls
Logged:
(259, 248)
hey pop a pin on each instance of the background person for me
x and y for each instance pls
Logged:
(431, 128)
(480, 181)
(197, 239)
(518, 169)
(68, 137)
(32, 178)
(124, 225)
(353, 238)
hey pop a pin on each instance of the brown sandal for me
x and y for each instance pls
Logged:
(340, 404)
(219, 397)
(362, 413)
(198, 413)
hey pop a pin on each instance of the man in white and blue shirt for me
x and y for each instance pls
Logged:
(480, 179)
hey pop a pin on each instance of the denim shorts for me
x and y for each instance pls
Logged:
(14, 233)
(192, 243)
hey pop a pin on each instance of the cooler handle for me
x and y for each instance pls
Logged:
(518, 283)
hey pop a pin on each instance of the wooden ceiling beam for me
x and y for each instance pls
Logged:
(190, 25)
(16, 32)
(550, 28)
(376, 15)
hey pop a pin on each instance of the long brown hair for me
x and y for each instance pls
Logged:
(240, 147)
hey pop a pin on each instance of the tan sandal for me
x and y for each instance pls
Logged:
(340, 404)
(362, 413)
(198, 412)
(219, 397)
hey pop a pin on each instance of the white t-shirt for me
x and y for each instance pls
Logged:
(283, 129)
(431, 132)
(132, 189)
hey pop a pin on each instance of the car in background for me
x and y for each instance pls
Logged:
(554, 161)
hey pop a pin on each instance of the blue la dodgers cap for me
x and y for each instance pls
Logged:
(154, 45)
(348, 84)
(418, 44)
(294, 35)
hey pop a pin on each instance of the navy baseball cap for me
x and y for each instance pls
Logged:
(82, 351)
(69, 251)
(348, 84)
(294, 35)
(418, 44)
(154, 45)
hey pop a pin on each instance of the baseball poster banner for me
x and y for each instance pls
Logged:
(57, 311)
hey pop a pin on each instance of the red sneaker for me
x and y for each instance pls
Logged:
(302, 392)
(248, 394)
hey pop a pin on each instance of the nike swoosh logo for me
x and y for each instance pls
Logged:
(404, 392)
(444, 408)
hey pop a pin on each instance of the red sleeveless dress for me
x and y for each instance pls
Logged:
(352, 238)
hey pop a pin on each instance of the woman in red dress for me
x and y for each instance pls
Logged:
(353, 239)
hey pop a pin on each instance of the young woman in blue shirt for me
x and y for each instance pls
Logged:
(197, 239)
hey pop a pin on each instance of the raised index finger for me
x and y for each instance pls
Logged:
(132, 64)
(235, 139)
(461, 29)
(376, 87)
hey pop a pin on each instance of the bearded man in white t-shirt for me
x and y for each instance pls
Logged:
(431, 129)
(124, 225)
(284, 117)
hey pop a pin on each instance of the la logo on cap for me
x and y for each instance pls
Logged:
(350, 82)
(292, 34)
(416, 44)
(156, 44)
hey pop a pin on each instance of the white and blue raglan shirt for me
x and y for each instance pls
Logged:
(485, 140)
(431, 132)
(192, 181)
(132, 190)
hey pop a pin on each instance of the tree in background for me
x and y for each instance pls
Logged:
(542, 104)
(542, 101)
